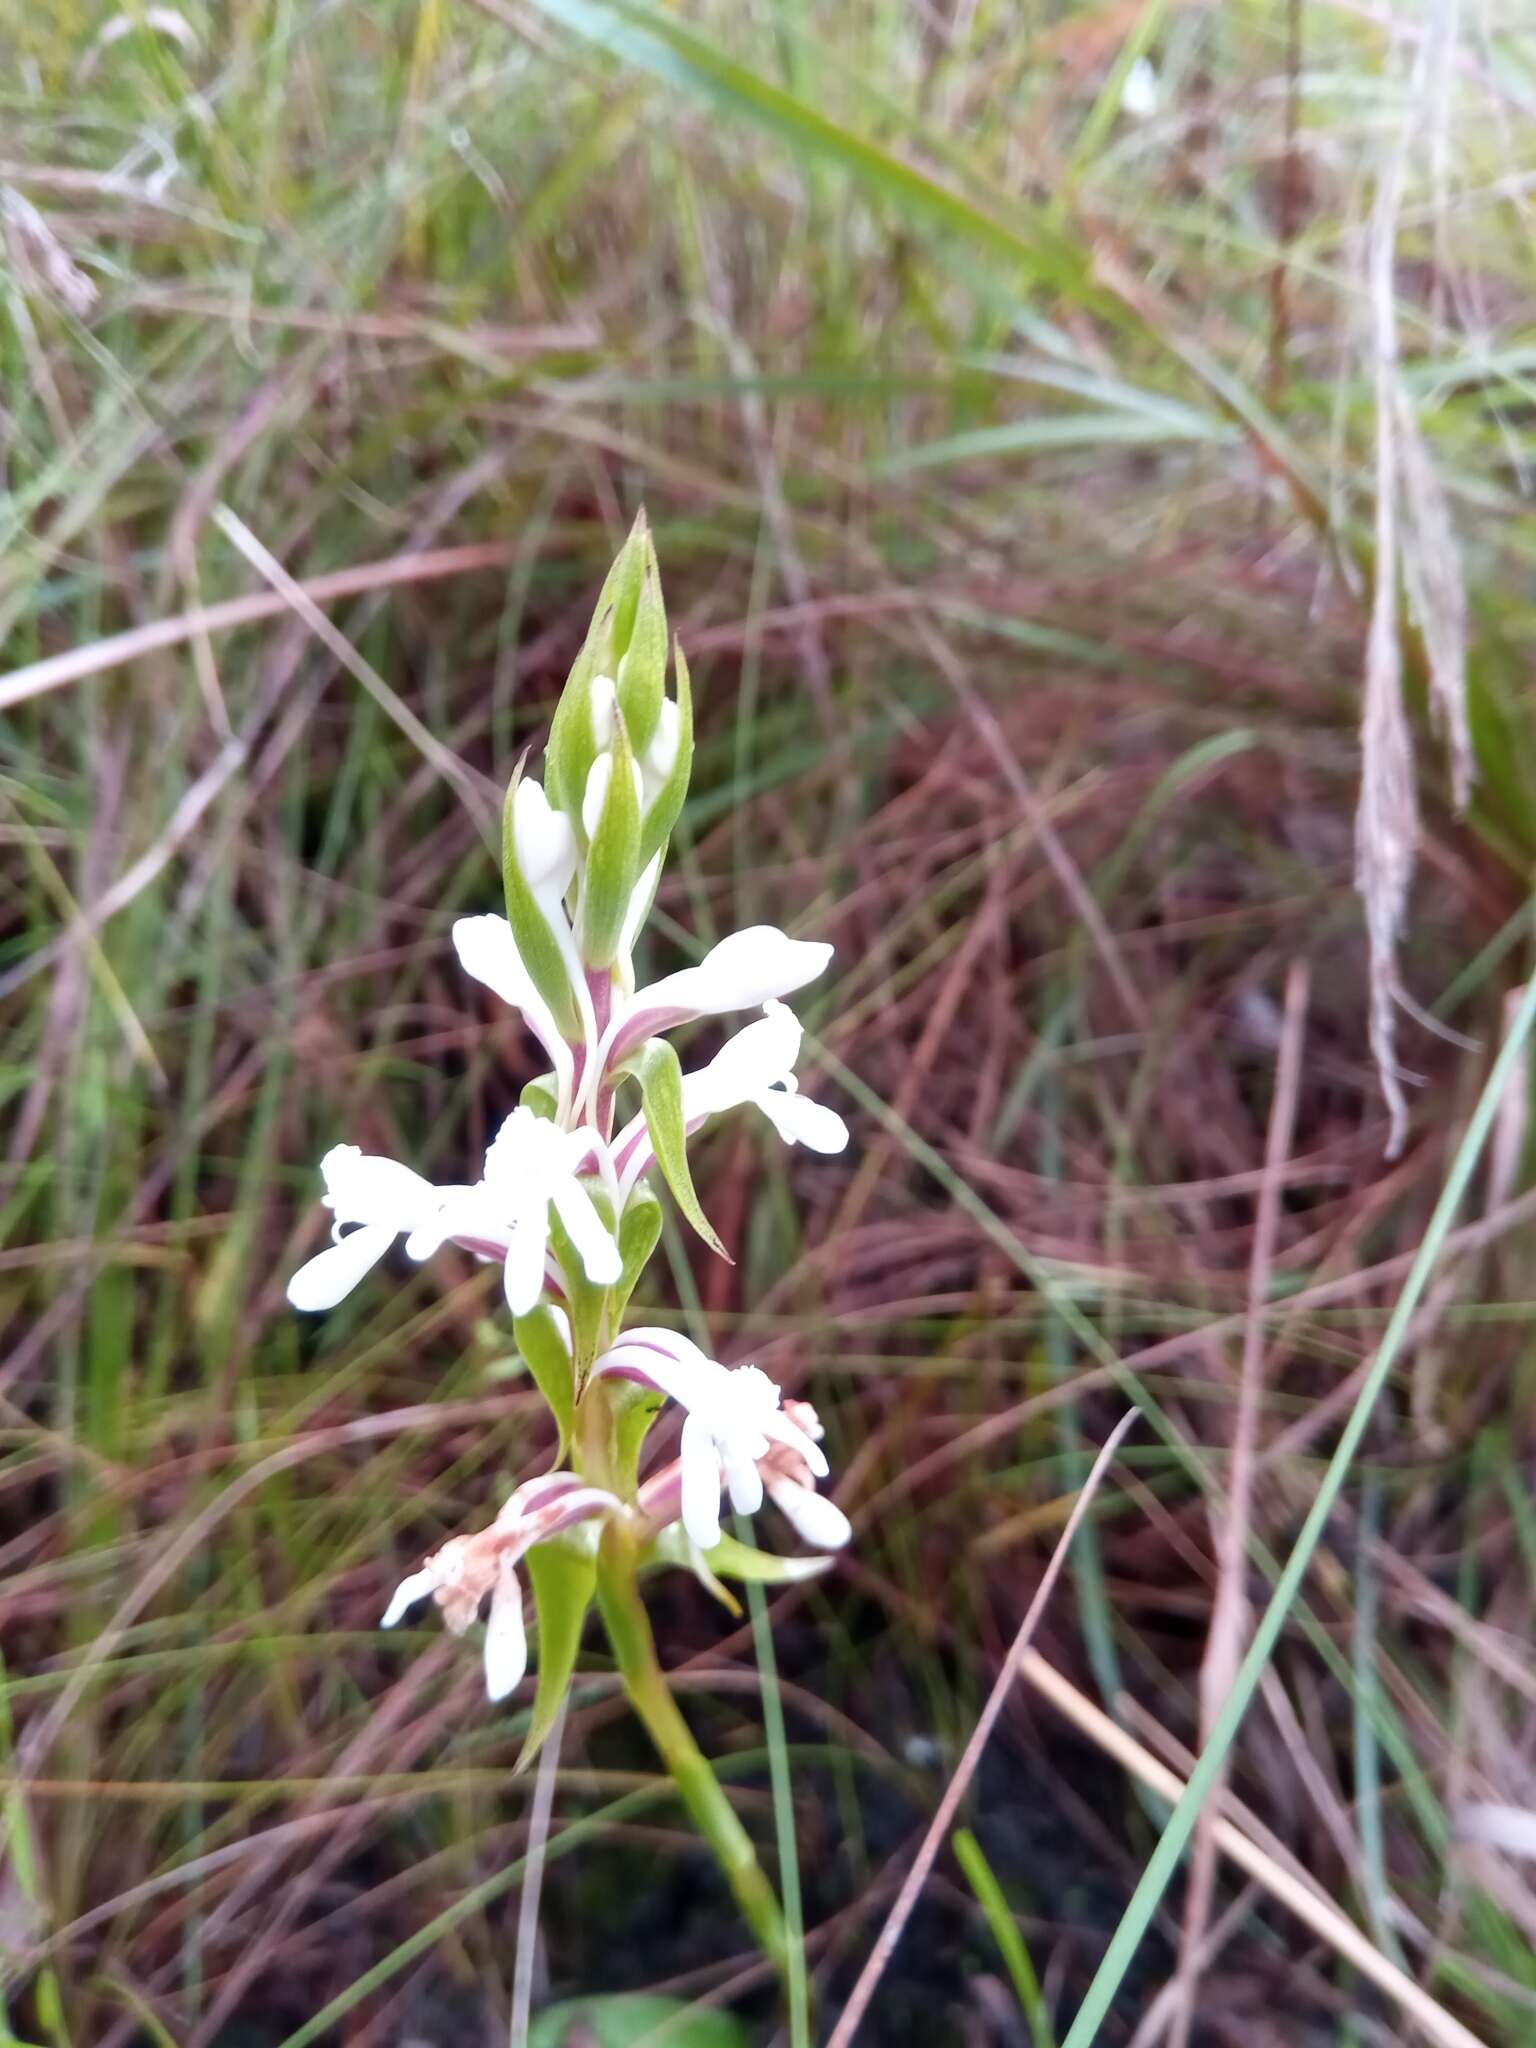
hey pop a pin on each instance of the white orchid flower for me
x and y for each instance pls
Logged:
(531, 1167)
(466, 1568)
(385, 1201)
(750, 967)
(733, 1425)
(755, 1066)
(488, 951)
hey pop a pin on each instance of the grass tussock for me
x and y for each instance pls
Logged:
(1009, 390)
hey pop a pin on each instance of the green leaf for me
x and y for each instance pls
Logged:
(631, 2017)
(1005, 1931)
(536, 943)
(613, 859)
(542, 1344)
(642, 676)
(656, 1067)
(541, 1096)
(563, 1576)
(663, 814)
(639, 1230)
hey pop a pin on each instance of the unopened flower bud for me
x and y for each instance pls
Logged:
(545, 844)
(603, 697)
(659, 758)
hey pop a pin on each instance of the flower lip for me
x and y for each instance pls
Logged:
(386, 1201)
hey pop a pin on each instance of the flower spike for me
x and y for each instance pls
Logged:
(561, 1206)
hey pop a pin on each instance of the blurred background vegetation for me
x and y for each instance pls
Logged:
(1005, 384)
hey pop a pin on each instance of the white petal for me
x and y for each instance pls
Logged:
(407, 1593)
(462, 1213)
(455, 1210)
(332, 1274)
(526, 1157)
(362, 1188)
(783, 1431)
(742, 1476)
(506, 1640)
(743, 970)
(597, 1251)
(746, 1065)
(753, 1395)
(543, 839)
(701, 1484)
(816, 1520)
(673, 1364)
(524, 1271)
(640, 902)
(746, 969)
(488, 951)
(800, 1121)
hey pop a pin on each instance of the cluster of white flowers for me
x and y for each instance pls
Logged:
(563, 1200)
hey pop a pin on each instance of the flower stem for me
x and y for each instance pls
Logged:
(629, 1633)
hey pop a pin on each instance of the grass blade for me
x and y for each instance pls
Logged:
(1005, 1931)
(1175, 1836)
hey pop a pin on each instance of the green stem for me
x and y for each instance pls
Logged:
(629, 1633)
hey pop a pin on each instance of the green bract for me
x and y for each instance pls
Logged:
(564, 1577)
(659, 1071)
(547, 1355)
(613, 853)
(641, 671)
(536, 941)
(665, 807)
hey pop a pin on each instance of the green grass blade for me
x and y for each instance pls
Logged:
(1005, 1931)
(669, 51)
(796, 1982)
(1181, 1822)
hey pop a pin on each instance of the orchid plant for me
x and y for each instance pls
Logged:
(566, 1204)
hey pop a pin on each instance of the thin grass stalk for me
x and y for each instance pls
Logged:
(797, 1984)
(533, 1884)
(1175, 1836)
(885, 1943)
